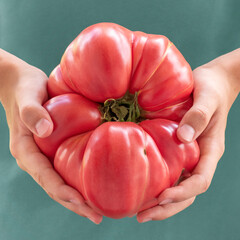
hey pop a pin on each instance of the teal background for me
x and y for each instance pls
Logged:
(38, 32)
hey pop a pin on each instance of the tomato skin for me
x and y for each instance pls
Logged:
(71, 114)
(56, 85)
(177, 155)
(134, 174)
(162, 77)
(91, 61)
(174, 112)
(68, 159)
(131, 173)
(120, 168)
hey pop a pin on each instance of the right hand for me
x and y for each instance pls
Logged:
(22, 93)
(216, 86)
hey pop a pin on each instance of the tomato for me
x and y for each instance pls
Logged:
(115, 100)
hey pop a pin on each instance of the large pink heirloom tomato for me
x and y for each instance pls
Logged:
(115, 100)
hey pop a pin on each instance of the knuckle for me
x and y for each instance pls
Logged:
(13, 150)
(203, 182)
(13, 146)
(217, 95)
(20, 165)
(202, 114)
(25, 111)
(51, 195)
(221, 148)
(165, 194)
(38, 178)
(180, 192)
(192, 201)
(161, 217)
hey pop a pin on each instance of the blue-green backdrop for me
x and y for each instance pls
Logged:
(38, 32)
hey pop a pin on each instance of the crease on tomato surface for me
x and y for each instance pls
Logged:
(56, 85)
(63, 64)
(149, 45)
(141, 202)
(163, 58)
(71, 114)
(68, 159)
(174, 112)
(162, 103)
(143, 37)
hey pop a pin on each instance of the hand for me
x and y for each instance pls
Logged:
(23, 90)
(214, 93)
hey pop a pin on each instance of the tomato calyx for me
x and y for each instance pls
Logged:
(125, 109)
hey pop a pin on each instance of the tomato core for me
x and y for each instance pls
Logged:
(125, 109)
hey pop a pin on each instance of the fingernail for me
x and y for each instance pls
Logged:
(93, 220)
(146, 220)
(75, 201)
(42, 126)
(166, 201)
(186, 132)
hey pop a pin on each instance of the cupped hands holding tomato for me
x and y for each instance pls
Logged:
(109, 82)
(113, 99)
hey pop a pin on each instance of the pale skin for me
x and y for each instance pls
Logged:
(23, 90)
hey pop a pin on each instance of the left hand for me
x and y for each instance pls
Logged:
(22, 92)
(214, 93)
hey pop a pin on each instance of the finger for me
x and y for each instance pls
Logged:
(40, 168)
(198, 116)
(32, 114)
(76, 204)
(201, 177)
(163, 212)
(36, 118)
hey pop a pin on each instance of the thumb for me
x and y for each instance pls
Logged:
(197, 118)
(30, 95)
(36, 119)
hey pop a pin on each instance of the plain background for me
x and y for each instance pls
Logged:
(38, 32)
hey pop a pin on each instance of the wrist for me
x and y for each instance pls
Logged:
(10, 71)
(7, 74)
(226, 70)
(221, 79)
(230, 66)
